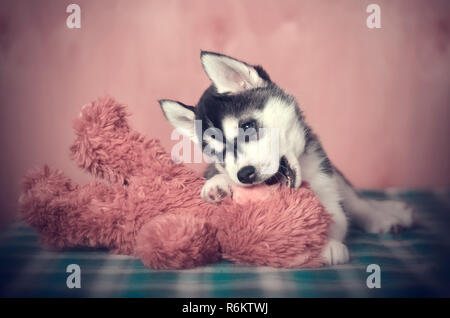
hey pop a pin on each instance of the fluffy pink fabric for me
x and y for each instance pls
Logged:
(252, 194)
(151, 207)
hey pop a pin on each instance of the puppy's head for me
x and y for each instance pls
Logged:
(243, 120)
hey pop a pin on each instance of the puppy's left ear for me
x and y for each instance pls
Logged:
(230, 75)
(181, 116)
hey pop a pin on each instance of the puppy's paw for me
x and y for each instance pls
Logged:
(216, 189)
(335, 253)
(389, 216)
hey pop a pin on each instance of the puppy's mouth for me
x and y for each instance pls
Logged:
(284, 175)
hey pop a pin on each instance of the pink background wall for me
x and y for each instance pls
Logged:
(378, 98)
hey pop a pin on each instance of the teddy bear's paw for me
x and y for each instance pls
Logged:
(335, 253)
(216, 189)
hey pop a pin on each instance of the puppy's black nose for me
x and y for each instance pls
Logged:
(247, 174)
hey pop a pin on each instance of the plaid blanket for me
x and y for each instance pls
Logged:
(412, 263)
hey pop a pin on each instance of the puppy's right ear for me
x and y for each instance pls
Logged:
(181, 116)
(230, 75)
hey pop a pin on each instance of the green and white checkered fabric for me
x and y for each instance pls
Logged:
(413, 263)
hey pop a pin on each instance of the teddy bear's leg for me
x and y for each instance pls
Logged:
(108, 148)
(67, 215)
(176, 241)
(41, 204)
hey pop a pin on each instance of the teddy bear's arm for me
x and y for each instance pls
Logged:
(107, 147)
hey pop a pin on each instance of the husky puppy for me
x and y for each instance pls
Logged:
(237, 114)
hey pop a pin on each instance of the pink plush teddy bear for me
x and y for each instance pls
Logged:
(150, 207)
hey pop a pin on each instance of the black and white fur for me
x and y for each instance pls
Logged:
(241, 94)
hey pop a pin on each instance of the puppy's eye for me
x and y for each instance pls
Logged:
(249, 129)
(248, 125)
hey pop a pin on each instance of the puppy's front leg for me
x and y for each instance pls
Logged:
(325, 187)
(217, 188)
(335, 251)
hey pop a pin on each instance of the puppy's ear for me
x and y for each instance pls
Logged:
(230, 75)
(181, 116)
